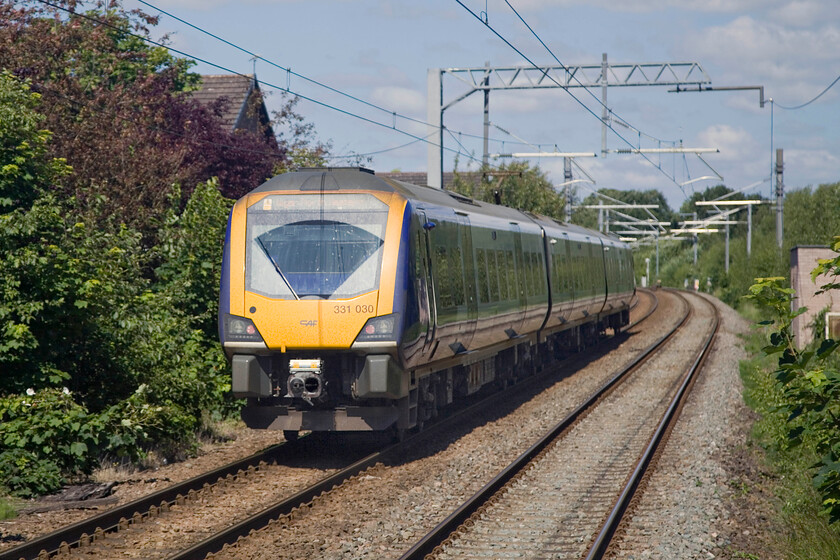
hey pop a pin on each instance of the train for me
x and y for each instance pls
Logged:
(354, 302)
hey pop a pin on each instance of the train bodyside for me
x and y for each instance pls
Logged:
(350, 302)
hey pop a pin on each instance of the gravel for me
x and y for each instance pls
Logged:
(691, 509)
(694, 512)
(388, 508)
(238, 443)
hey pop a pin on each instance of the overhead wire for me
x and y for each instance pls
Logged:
(457, 141)
(575, 78)
(263, 82)
(283, 68)
(304, 77)
(332, 89)
(377, 152)
(812, 100)
(547, 75)
(190, 138)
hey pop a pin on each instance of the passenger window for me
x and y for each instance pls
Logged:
(483, 278)
(532, 274)
(526, 273)
(512, 284)
(457, 275)
(493, 276)
(444, 277)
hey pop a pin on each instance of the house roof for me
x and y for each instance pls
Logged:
(235, 88)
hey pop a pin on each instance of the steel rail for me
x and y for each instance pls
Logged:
(431, 542)
(602, 541)
(649, 312)
(229, 536)
(110, 520)
(259, 520)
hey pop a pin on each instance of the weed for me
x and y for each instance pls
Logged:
(7, 510)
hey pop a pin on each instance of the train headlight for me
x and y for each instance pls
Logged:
(382, 328)
(241, 329)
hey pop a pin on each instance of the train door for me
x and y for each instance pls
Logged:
(521, 287)
(426, 277)
(470, 287)
(565, 289)
(567, 268)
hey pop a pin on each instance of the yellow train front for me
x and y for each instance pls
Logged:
(351, 302)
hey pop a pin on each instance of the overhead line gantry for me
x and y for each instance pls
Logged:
(488, 78)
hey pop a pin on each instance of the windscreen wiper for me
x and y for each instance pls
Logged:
(277, 268)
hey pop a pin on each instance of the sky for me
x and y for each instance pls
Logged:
(380, 52)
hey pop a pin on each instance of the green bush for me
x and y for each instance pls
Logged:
(809, 534)
(25, 474)
(43, 436)
(808, 381)
(190, 253)
(50, 424)
(126, 321)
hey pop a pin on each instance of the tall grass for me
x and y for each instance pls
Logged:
(7, 510)
(809, 535)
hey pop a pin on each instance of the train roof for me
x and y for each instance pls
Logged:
(356, 178)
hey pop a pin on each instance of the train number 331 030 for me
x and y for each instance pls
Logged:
(353, 309)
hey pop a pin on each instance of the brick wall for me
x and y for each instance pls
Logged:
(803, 259)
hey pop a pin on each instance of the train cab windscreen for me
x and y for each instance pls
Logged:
(315, 246)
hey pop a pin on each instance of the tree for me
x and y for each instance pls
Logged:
(26, 169)
(518, 185)
(297, 137)
(191, 256)
(807, 380)
(811, 215)
(121, 112)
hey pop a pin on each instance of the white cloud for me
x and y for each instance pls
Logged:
(809, 163)
(796, 62)
(402, 100)
(800, 13)
(734, 143)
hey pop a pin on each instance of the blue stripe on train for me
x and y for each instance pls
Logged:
(401, 270)
(224, 283)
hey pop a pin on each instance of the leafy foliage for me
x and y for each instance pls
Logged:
(43, 435)
(84, 305)
(518, 185)
(68, 292)
(121, 114)
(191, 255)
(711, 193)
(24, 474)
(809, 380)
(23, 146)
(807, 221)
(297, 136)
(50, 424)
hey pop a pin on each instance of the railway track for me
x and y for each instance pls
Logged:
(638, 477)
(90, 537)
(559, 486)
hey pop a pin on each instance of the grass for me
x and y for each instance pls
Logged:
(7, 510)
(809, 535)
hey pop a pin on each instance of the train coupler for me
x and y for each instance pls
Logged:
(306, 380)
